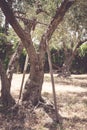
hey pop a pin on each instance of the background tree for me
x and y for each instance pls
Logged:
(71, 33)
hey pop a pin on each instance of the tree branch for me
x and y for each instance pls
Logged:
(65, 5)
(28, 20)
(23, 35)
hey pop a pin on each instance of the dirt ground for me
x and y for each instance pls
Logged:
(71, 95)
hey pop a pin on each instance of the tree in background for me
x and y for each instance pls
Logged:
(71, 34)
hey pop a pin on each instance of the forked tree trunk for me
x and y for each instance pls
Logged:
(6, 97)
(33, 85)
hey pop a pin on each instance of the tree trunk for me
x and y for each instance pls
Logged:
(65, 70)
(67, 64)
(69, 58)
(6, 97)
(33, 86)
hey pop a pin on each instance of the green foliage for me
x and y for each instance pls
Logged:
(30, 2)
(79, 65)
(82, 50)
(1, 30)
(50, 6)
(13, 38)
(57, 57)
(73, 22)
(3, 38)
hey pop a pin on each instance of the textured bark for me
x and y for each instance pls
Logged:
(34, 83)
(6, 22)
(6, 97)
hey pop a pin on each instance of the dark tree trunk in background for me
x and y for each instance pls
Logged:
(69, 57)
(66, 68)
(6, 97)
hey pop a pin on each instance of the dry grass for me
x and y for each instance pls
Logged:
(71, 95)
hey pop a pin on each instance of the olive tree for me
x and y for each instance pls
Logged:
(33, 86)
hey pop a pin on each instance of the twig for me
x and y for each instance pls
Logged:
(28, 20)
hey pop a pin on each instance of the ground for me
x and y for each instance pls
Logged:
(71, 95)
